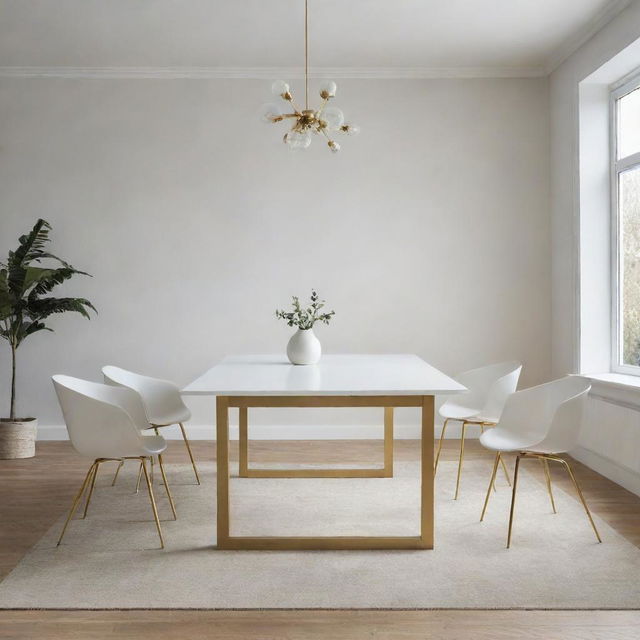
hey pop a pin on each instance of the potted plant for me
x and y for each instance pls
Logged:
(304, 347)
(25, 283)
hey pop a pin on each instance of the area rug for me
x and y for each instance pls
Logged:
(111, 560)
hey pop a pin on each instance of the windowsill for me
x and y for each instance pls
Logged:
(616, 388)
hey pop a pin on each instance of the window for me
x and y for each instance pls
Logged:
(625, 191)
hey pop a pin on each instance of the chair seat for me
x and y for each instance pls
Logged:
(500, 440)
(458, 412)
(153, 445)
(174, 417)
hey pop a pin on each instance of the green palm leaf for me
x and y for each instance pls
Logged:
(23, 309)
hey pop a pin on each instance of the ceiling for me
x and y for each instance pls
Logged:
(502, 37)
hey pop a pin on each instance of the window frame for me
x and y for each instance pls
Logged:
(618, 166)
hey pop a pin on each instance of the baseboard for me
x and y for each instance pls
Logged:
(620, 474)
(283, 432)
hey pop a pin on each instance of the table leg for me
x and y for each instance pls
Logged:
(388, 442)
(386, 471)
(426, 507)
(243, 441)
(222, 463)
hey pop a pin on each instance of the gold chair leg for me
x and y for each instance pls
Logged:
(504, 468)
(153, 501)
(492, 483)
(547, 476)
(482, 425)
(584, 503)
(157, 433)
(435, 464)
(151, 463)
(461, 459)
(93, 484)
(115, 477)
(166, 486)
(76, 501)
(513, 499)
(186, 442)
(139, 478)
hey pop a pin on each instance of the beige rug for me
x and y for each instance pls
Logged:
(111, 560)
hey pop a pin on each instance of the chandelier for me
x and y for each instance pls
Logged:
(306, 121)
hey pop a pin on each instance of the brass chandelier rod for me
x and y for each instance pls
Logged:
(306, 54)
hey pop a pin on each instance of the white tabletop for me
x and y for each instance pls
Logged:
(265, 375)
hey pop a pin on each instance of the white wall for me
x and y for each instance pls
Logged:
(565, 185)
(429, 233)
(579, 325)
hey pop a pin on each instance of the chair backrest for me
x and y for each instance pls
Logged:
(160, 397)
(489, 387)
(548, 415)
(504, 384)
(102, 421)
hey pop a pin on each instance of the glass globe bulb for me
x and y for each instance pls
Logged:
(279, 88)
(351, 129)
(269, 112)
(333, 117)
(298, 140)
(334, 146)
(328, 89)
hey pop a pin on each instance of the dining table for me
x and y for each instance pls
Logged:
(386, 381)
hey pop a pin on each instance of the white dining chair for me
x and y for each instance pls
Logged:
(488, 390)
(541, 422)
(162, 401)
(105, 423)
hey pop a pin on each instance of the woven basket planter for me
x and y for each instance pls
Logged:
(18, 438)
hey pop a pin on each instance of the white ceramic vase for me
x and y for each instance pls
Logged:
(304, 347)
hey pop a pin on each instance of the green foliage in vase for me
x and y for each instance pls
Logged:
(304, 317)
(24, 287)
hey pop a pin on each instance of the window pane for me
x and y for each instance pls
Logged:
(629, 212)
(629, 124)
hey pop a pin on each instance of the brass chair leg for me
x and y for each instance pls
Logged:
(584, 503)
(153, 501)
(151, 463)
(166, 486)
(115, 477)
(435, 464)
(504, 468)
(157, 433)
(492, 483)
(76, 501)
(547, 476)
(186, 442)
(93, 484)
(139, 478)
(513, 499)
(461, 459)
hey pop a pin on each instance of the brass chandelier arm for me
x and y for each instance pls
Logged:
(322, 106)
(286, 115)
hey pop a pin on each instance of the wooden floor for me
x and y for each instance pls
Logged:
(35, 492)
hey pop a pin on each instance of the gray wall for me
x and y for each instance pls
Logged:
(428, 233)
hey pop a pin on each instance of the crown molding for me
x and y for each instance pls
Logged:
(572, 44)
(269, 73)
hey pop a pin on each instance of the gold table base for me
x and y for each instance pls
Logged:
(227, 541)
(378, 472)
